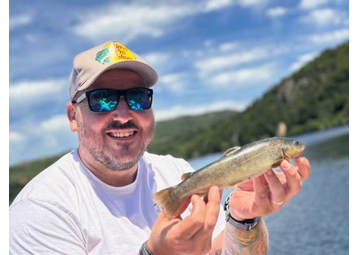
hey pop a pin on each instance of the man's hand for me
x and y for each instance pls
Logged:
(266, 194)
(191, 235)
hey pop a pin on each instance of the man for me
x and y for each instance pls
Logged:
(98, 199)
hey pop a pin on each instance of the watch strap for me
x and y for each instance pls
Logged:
(246, 225)
(144, 249)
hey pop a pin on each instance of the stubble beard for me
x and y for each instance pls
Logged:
(93, 145)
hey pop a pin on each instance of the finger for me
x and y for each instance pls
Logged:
(164, 223)
(183, 207)
(261, 193)
(203, 237)
(212, 209)
(281, 176)
(246, 186)
(194, 222)
(294, 181)
(304, 168)
(278, 192)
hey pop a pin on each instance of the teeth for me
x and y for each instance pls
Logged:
(124, 134)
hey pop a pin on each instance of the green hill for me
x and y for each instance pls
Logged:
(314, 98)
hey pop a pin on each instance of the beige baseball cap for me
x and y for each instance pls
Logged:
(89, 65)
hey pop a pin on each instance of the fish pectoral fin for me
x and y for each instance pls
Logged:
(231, 151)
(186, 176)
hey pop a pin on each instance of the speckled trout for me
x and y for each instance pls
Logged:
(238, 164)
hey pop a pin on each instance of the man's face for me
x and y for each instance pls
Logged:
(116, 139)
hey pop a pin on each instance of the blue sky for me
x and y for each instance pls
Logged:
(210, 55)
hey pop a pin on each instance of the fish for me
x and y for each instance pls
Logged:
(238, 164)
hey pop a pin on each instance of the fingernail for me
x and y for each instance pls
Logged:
(285, 165)
(215, 189)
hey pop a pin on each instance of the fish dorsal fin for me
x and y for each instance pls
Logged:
(231, 151)
(186, 176)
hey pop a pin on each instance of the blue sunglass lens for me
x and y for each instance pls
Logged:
(103, 100)
(138, 99)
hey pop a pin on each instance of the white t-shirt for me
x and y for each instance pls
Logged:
(68, 210)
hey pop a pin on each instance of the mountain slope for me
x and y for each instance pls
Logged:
(314, 98)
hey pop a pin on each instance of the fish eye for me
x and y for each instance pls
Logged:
(296, 143)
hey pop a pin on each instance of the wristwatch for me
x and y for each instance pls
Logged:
(246, 225)
(144, 249)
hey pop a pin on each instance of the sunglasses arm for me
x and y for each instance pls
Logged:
(80, 98)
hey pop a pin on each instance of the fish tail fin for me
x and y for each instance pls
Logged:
(169, 205)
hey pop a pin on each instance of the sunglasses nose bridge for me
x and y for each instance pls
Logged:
(121, 112)
(122, 97)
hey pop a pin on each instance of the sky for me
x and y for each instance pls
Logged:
(210, 55)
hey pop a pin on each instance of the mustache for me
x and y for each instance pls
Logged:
(117, 125)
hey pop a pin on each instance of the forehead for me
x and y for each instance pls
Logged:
(118, 79)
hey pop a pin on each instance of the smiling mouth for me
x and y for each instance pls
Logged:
(122, 134)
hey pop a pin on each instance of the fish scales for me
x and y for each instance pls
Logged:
(237, 168)
(238, 165)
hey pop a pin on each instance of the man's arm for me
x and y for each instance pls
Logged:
(238, 241)
(234, 241)
(261, 196)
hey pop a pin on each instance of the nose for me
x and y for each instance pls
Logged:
(122, 113)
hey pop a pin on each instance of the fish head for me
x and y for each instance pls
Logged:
(292, 148)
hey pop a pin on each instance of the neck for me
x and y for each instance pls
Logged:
(110, 177)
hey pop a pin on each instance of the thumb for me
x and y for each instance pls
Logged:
(183, 206)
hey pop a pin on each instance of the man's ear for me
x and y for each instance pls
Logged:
(71, 115)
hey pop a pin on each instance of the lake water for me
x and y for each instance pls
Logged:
(316, 221)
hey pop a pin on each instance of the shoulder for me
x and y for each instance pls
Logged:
(55, 183)
(168, 162)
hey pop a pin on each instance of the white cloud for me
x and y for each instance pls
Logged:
(276, 12)
(333, 37)
(325, 17)
(175, 82)
(156, 58)
(28, 93)
(302, 60)
(127, 22)
(228, 46)
(15, 137)
(19, 21)
(311, 4)
(243, 77)
(208, 43)
(55, 124)
(55, 131)
(185, 110)
(30, 38)
(213, 5)
(209, 65)
(251, 3)
(34, 139)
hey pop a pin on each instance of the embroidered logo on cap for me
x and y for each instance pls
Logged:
(114, 52)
